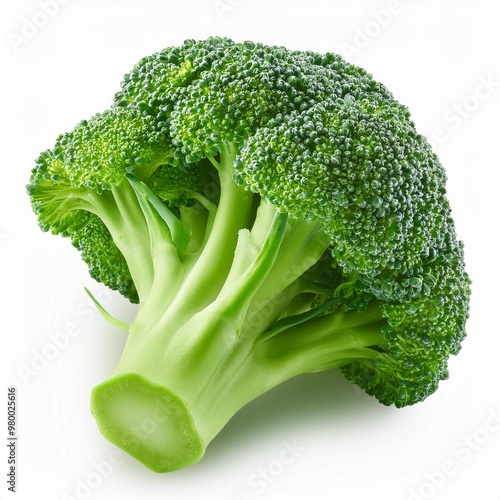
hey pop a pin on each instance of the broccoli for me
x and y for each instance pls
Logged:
(273, 212)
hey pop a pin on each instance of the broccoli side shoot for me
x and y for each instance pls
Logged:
(272, 212)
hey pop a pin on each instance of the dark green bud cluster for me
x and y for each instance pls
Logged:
(100, 151)
(175, 185)
(360, 168)
(211, 93)
(106, 263)
(420, 336)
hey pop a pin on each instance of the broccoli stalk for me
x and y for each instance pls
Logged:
(273, 213)
(219, 351)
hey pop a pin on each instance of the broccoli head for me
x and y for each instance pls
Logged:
(273, 212)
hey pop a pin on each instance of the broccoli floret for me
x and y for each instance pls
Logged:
(274, 212)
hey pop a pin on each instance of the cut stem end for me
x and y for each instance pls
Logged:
(147, 421)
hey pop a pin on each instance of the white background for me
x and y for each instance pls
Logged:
(62, 62)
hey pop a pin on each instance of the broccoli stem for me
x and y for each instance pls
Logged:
(164, 405)
(326, 341)
(198, 350)
(207, 269)
(186, 372)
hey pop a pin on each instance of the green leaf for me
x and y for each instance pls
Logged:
(151, 205)
(105, 314)
(297, 319)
